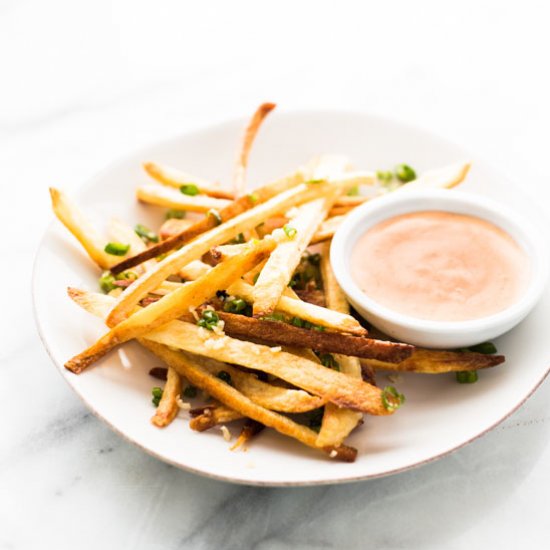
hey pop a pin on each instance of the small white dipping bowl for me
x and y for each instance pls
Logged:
(438, 334)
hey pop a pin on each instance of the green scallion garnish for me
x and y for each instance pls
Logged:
(327, 360)
(117, 249)
(392, 399)
(385, 176)
(106, 282)
(157, 395)
(236, 305)
(189, 189)
(290, 232)
(487, 348)
(175, 214)
(466, 377)
(209, 319)
(146, 234)
(405, 173)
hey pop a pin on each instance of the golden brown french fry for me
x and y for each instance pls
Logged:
(171, 198)
(174, 304)
(428, 361)
(356, 200)
(202, 244)
(444, 178)
(233, 399)
(239, 177)
(308, 312)
(168, 408)
(172, 177)
(266, 395)
(337, 211)
(193, 270)
(73, 219)
(327, 229)
(337, 423)
(279, 268)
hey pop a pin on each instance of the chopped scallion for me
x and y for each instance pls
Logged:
(405, 173)
(189, 189)
(466, 377)
(117, 249)
(146, 234)
(392, 399)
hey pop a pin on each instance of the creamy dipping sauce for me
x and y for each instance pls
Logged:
(440, 266)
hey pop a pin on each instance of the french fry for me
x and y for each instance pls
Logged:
(250, 429)
(278, 270)
(174, 226)
(284, 334)
(327, 229)
(172, 177)
(202, 244)
(171, 198)
(337, 423)
(428, 361)
(337, 211)
(444, 178)
(173, 305)
(233, 399)
(168, 408)
(73, 219)
(193, 270)
(212, 416)
(308, 312)
(351, 201)
(239, 177)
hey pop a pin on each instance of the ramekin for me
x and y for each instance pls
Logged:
(439, 334)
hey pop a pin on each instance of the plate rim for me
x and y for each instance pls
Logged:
(125, 158)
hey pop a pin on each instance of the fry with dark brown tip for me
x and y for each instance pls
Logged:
(250, 429)
(239, 177)
(212, 416)
(285, 334)
(168, 408)
(431, 361)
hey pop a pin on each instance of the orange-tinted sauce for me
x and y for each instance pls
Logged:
(440, 266)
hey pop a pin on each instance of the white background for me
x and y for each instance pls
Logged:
(82, 83)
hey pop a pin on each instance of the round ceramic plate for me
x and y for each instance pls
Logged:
(439, 416)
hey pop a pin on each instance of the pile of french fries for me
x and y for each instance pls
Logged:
(228, 302)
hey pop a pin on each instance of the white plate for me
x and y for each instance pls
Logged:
(439, 416)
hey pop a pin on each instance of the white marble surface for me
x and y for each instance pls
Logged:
(82, 83)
